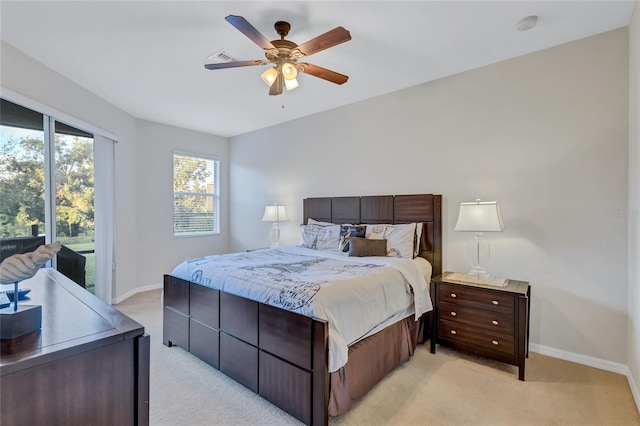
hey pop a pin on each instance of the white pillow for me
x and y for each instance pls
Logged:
(400, 240)
(317, 222)
(320, 237)
(375, 232)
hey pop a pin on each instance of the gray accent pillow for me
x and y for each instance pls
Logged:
(361, 247)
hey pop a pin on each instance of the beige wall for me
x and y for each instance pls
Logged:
(633, 358)
(544, 134)
(158, 249)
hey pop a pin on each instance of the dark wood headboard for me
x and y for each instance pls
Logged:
(392, 209)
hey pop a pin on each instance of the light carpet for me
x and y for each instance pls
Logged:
(446, 388)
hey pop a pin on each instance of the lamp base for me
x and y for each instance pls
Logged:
(275, 235)
(478, 271)
(26, 319)
(475, 279)
(479, 252)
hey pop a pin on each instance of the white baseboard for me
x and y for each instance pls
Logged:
(137, 290)
(634, 390)
(602, 364)
(581, 359)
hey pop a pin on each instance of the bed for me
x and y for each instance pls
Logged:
(284, 355)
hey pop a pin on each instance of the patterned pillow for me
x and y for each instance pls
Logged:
(400, 240)
(366, 247)
(311, 221)
(349, 231)
(319, 237)
(418, 240)
(375, 232)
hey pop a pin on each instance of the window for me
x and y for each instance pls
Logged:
(39, 203)
(196, 195)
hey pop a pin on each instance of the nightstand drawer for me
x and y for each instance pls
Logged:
(476, 297)
(464, 333)
(488, 320)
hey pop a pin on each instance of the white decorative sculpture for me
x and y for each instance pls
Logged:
(23, 266)
(23, 319)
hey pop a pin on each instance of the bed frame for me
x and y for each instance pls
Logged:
(282, 355)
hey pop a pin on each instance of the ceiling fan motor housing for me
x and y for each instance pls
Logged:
(282, 28)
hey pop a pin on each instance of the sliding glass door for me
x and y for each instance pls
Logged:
(47, 190)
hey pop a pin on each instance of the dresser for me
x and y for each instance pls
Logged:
(87, 365)
(485, 320)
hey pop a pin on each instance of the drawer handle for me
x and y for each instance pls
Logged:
(454, 295)
(454, 332)
(494, 322)
(495, 342)
(453, 313)
(495, 302)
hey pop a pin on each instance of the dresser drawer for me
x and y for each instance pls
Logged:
(496, 301)
(492, 321)
(464, 333)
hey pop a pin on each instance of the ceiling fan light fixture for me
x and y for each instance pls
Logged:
(269, 76)
(291, 84)
(283, 55)
(289, 71)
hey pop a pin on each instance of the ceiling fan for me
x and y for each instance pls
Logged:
(284, 55)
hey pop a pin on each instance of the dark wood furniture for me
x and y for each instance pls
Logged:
(89, 364)
(281, 355)
(485, 320)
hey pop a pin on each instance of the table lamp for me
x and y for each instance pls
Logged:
(479, 217)
(275, 214)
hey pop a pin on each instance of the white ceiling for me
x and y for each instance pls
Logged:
(147, 57)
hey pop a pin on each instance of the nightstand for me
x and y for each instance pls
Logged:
(485, 320)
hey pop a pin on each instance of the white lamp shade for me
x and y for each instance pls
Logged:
(269, 76)
(479, 216)
(291, 84)
(275, 213)
(289, 71)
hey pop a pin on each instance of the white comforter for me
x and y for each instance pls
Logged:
(354, 294)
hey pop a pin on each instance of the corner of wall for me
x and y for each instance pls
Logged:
(633, 327)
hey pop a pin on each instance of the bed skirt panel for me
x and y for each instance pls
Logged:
(370, 360)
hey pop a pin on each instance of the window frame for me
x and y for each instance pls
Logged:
(215, 194)
(53, 123)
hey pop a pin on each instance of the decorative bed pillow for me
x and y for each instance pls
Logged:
(317, 222)
(350, 231)
(319, 237)
(366, 247)
(416, 244)
(375, 232)
(400, 239)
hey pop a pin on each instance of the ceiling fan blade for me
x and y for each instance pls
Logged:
(329, 39)
(234, 64)
(250, 31)
(277, 86)
(323, 73)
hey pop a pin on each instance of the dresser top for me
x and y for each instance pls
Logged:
(72, 320)
(513, 286)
